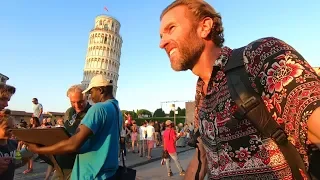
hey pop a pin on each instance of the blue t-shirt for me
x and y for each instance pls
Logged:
(98, 156)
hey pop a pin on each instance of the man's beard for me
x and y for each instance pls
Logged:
(190, 50)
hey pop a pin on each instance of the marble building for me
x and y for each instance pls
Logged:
(104, 50)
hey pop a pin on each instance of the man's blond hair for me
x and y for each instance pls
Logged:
(6, 91)
(200, 10)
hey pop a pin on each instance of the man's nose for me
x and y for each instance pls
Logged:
(78, 104)
(163, 42)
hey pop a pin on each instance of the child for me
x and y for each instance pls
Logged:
(8, 148)
(134, 138)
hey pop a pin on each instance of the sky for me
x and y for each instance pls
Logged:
(43, 45)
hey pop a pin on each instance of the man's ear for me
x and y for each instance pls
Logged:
(101, 90)
(206, 27)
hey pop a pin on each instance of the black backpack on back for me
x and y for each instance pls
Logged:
(251, 106)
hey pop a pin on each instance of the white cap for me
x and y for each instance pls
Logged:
(98, 81)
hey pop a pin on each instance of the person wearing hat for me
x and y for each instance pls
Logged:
(169, 144)
(97, 136)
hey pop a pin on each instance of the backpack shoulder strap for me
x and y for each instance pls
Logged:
(251, 106)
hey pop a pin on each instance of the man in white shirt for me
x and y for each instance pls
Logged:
(142, 141)
(150, 138)
(37, 109)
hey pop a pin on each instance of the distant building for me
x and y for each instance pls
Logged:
(23, 115)
(3, 78)
(190, 111)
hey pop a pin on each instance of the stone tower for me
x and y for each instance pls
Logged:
(104, 51)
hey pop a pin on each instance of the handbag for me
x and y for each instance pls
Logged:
(165, 154)
(123, 173)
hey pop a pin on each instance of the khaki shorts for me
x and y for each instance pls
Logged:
(65, 176)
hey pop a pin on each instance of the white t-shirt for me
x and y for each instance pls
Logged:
(36, 111)
(123, 132)
(150, 132)
(142, 132)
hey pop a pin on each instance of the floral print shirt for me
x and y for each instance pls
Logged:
(290, 89)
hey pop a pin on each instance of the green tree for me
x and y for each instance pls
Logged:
(132, 113)
(142, 112)
(179, 111)
(171, 113)
(159, 113)
(182, 112)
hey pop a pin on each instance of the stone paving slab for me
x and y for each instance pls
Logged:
(133, 160)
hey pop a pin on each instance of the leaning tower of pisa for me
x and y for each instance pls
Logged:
(104, 50)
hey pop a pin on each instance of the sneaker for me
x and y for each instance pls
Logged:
(170, 174)
(182, 173)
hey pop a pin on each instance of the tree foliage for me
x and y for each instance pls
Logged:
(132, 113)
(159, 113)
(143, 112)
(181, 112)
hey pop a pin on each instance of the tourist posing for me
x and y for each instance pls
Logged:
(97, 137)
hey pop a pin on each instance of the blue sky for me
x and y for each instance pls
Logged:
(43, 45)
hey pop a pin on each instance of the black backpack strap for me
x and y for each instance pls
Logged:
(251, 106)
(120, 128)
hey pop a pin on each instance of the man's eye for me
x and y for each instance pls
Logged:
(171, 28)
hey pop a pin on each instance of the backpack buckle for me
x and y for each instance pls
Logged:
(251, 103)
(279, 136)
(246, 107)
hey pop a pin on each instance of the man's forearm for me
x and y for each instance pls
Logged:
(63, 147)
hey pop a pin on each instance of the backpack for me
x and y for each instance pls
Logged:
(251, 106)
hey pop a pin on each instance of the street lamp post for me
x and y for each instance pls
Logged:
(173, 107)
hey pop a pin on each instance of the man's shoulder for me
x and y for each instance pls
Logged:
(11, 145)
(69, 110)
(102, 108)
(265, 45)
(13, 142)
(104, 105)
(262, 51)
(98, 107)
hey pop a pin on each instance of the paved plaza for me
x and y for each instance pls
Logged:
(154, 171)
(133, 161)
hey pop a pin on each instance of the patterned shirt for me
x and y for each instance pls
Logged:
(290, 89)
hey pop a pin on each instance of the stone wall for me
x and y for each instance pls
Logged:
(190, 112)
